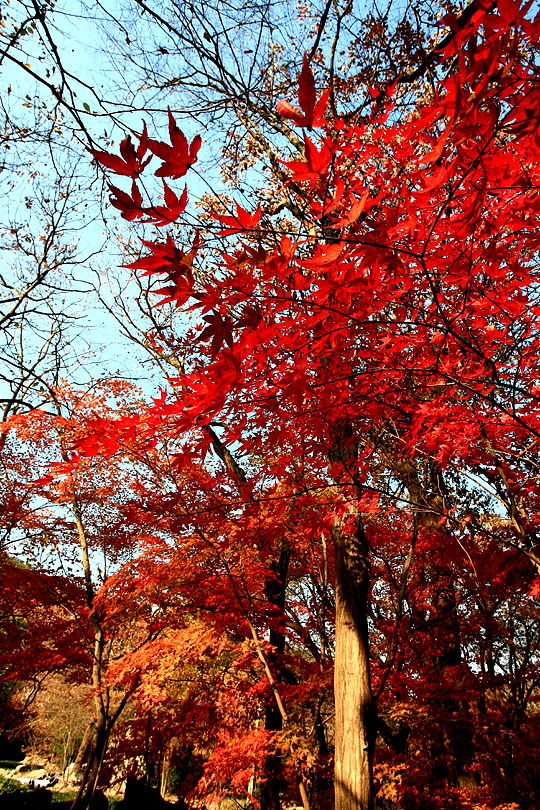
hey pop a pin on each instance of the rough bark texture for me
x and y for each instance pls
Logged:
(355, 721)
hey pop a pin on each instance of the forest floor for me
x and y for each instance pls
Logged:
(17, 777)
(20, 778)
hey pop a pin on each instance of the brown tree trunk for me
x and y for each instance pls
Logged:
(102, 717)
(271, 768)
(166, 767)
(355, 721)
(93, 769)
(84, 748)
(275, 588)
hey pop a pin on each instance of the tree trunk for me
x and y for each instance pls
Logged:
(166, 767)
(275, 588)
(85, 747)
(93, 768)
(355, 722)
(271, 769)
(102, 718)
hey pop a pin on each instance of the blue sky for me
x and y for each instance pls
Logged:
(39, 173)
(107, 85)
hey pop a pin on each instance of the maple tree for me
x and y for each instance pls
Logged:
(71, 522)
(127, 628)
(406, 315)
(240, 60)
(366, 378)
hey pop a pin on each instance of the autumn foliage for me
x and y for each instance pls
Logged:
(355, 423)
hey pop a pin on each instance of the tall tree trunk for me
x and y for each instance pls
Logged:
(88, 786)
(275, 588)
(355, 722)
(271, 769)
(101, 721)
(85, 748)
(166, 766)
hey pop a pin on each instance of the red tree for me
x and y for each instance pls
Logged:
(398, 332)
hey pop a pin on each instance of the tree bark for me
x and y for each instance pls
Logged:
(102, 720)
(275, 589)
(355, 721)
(84, 747)
(93, 768)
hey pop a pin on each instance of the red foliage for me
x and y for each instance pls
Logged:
(385, 359)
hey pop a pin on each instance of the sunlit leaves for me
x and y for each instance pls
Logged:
(312, 111)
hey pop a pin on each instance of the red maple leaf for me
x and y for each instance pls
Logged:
(219, 329)
(179, 291)
(161, 215)
(534, 593)
(166, 258)
(131, 163)
(313, 110)
(178, 157)
(241, 221)
(130, 207)
(314, 166)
